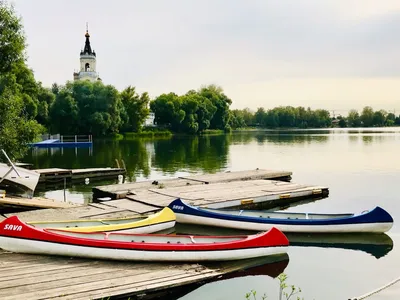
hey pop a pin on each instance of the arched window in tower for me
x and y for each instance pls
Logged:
(87, 67)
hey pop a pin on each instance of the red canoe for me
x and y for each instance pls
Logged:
(17, 236)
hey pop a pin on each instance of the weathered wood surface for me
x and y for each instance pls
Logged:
(47, 277)
(36, 202)
(52, 174)
(121, 190)
(96, 172)
(227, 194)
(90, 211)
(238, 175)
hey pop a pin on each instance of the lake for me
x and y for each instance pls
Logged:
(361, 167)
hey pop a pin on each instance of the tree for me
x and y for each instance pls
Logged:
(64, 114)
(259, 116)
(367, 116)
(12, 40)
(390, 119)
(136, 108)
(17, 87)
(353, 119)
(215, 94)
(379, 118)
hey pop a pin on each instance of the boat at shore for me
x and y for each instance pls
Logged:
(17, 236)
(16, 179)
(159, 221)
(376, 220)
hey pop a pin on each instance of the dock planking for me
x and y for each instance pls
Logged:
(57, 174)
(116, 191)
(47, 277)
(230, 189)
(20, 203)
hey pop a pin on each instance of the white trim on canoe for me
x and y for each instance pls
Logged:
(364, 227)
(148, 228)
(42, 247)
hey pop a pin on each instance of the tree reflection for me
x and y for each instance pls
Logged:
(191, 153)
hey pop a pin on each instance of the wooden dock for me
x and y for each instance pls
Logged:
(40, 277)
(48, 277)
(230, 189)
(57, 174)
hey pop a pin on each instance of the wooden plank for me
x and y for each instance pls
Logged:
(85, 284)
(58, 214)
(49, 284)
(125, 188)
(96, 170)
(238, 175)
(223, 194)
(52, 171)
(132, 206)
(37, 268)
(121, 190)
(36, 202)
(151, 285)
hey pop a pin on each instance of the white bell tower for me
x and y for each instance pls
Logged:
(88, 62)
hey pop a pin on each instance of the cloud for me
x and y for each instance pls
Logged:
(161, 46)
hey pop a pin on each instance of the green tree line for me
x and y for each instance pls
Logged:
(300, 117)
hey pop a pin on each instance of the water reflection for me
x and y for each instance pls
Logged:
(271, 266)
(205, 153)
(377, 245)
(277, 138)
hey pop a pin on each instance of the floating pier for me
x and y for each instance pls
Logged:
(75, 141)
(230, 189)
(57, 174)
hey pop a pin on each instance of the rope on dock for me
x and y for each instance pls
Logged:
(365, 296)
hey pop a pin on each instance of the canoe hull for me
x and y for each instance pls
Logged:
(17, 236)
(366, 227)
(374, 221)
(50, 248)
(148, 229)
(159, 221)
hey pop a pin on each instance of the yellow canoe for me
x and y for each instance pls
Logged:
(161, 220)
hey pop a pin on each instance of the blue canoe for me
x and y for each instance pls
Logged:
(375, 220)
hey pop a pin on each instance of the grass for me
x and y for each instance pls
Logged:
(288, 291)
(148, 134)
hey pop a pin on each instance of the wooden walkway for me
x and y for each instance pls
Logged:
(235, 189)
(48, 277)
(231, 189)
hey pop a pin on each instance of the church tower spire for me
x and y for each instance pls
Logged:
(87, 49)
(88, 61)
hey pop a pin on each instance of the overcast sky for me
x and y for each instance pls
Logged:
(332, 54)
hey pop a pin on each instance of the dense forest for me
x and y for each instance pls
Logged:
(83, 107)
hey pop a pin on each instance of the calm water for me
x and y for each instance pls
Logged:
(360, 167)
